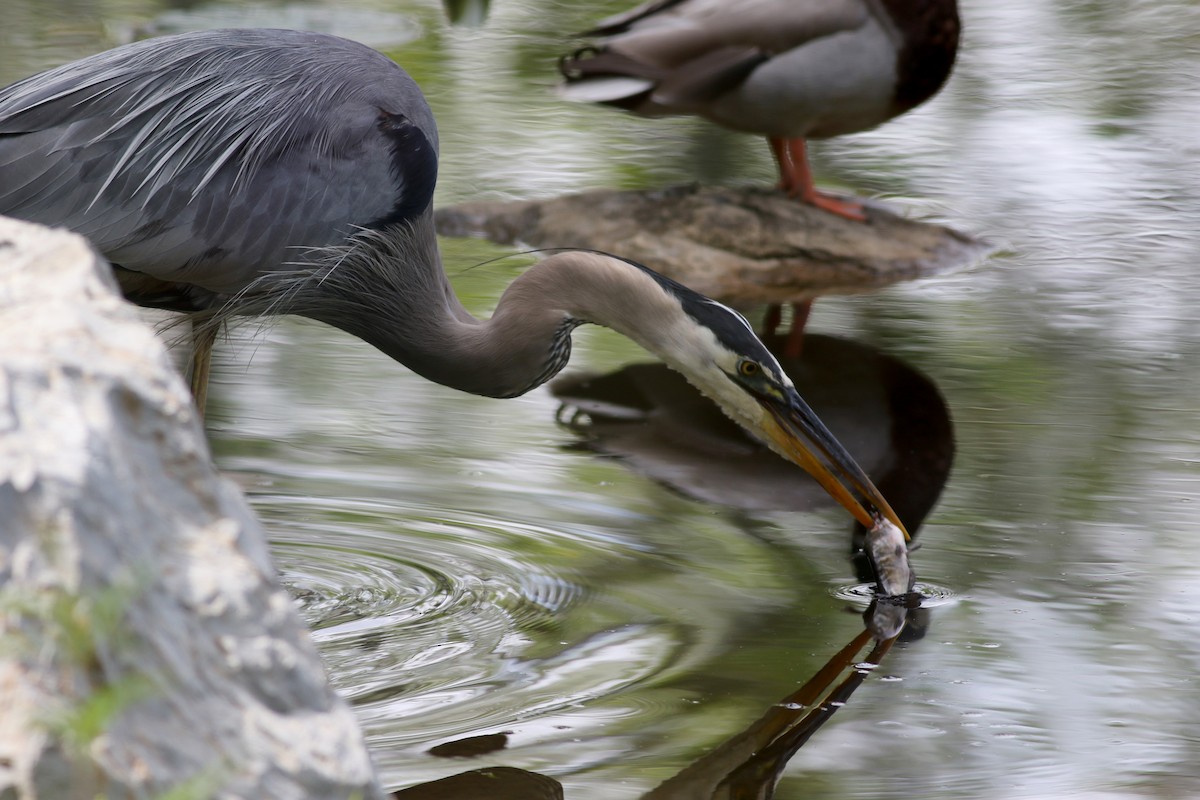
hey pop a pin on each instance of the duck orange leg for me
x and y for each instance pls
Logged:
(794, 344)
(795, 339)
(796, 179)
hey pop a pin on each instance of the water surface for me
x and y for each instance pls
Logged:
(468, 570)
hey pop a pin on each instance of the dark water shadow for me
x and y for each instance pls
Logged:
(890, 417)
(894, 422)
(488, 783)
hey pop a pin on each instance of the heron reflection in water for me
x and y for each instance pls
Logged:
(748, 764)
(247, 172)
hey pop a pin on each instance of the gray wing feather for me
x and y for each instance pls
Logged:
(209, 157)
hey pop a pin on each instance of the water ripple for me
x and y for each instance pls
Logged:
(420, 614)
(928, 594)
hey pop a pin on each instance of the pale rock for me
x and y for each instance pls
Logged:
(130, 568)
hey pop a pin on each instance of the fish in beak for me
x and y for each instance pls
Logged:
(794, 431)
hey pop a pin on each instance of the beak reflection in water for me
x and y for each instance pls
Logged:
(798, 434)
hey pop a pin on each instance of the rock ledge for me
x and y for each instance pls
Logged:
(147, 646)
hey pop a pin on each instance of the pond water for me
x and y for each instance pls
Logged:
(469, 569)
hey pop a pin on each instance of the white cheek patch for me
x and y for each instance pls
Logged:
(699, 348)
(697, 353)
(694, 349)
(779, 374)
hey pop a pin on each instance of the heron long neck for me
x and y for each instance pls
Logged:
(401, 302)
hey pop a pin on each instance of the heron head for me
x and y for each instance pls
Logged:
(718, 351)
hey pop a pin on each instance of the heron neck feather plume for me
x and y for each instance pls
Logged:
(388, 288)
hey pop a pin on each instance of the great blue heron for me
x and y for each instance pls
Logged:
(273, 171)
(785, 69)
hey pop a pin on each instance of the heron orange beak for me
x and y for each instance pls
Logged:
(795, 432)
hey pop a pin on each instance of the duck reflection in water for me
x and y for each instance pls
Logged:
(890, 417)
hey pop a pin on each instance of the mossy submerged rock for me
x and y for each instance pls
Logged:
(745, 246)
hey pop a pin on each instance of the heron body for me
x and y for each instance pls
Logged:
(205, 159)
(248, 172)
(785, 69)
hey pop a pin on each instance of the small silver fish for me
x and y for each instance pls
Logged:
(888, 552)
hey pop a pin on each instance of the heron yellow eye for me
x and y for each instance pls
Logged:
(749, 369)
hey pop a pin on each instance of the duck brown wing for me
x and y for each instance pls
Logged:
(694, 84)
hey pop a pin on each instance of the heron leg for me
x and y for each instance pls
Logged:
(204, 335)
(796, 179)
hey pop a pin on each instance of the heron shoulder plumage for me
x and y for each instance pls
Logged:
(205, 158)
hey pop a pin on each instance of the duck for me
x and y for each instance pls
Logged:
(789, 70)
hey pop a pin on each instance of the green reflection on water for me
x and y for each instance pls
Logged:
(1071, 367)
